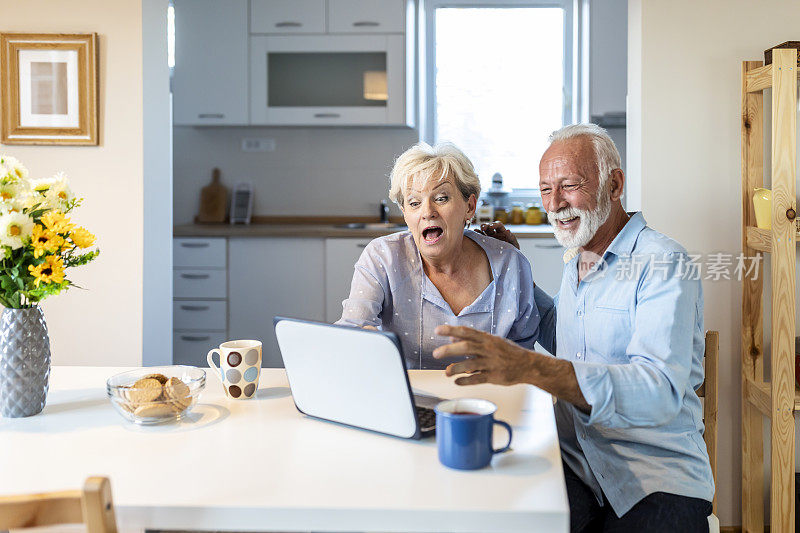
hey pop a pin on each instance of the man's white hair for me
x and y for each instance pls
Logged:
(606, 153)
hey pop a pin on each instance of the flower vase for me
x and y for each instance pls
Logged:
(24, 362)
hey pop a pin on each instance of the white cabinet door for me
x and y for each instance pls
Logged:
(366, 16)
(287, 16)
(209, 82)
(547, 263)
(340, 257)
(273, 277)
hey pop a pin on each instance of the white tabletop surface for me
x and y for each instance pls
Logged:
(259, 465)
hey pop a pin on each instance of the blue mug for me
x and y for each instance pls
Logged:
(464, 433)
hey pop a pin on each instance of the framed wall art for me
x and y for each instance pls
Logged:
(49, 86)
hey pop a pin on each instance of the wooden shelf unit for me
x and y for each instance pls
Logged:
(776, 399)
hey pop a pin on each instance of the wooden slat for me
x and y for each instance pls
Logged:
(784, 125)
(752, 311)
(37, 510)
(759, 239)
(758, 78)
(710, 398)
(98, 507)
(759, 396)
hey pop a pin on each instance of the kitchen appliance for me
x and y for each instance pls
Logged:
(242, 203)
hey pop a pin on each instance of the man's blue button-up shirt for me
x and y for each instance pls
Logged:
(633, 330)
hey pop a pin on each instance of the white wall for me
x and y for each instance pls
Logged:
(101, 325)
(684, 86)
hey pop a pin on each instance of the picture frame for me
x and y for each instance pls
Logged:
(49, 86)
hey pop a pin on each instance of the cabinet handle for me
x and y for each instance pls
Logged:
(195, 307)
(195, 276)
(288, 24)
(194, 244)
(364, 23)
(327, 115)
(191, 338)
(548, 246)
(211, 115)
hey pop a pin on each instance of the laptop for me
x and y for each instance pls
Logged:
(352, 376)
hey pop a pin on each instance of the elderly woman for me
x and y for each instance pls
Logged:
(438, 272)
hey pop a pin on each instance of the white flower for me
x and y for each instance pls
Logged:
(42, 184)
(11, 169)
(12, 191)
(59, 193)
(14, 228)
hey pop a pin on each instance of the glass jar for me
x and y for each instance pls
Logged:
(501, 215)
(517, 216)
(533, 216)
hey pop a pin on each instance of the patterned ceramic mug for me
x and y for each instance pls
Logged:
(239, 367)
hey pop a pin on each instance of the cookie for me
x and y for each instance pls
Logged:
(145, 390)
(153, 410)
(160, 377)
(178, 393)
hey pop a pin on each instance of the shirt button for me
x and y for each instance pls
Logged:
(579, 355)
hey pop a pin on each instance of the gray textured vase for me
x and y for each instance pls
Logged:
(24, 362)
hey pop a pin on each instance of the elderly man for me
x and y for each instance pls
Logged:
(627, 331)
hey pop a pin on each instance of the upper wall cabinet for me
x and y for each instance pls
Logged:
(366, 16)
(294, 62)
(287, 16)
(209, 82)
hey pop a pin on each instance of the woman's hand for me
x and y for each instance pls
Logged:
(498, 231)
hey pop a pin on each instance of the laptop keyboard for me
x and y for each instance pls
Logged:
(426, 417)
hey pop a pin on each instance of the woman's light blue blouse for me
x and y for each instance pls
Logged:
(391, 291)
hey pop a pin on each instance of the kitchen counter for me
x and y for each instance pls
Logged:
(321, 230)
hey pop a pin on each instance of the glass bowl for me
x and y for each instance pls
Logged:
(156, 394)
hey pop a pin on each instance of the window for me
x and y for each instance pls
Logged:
(498, 82)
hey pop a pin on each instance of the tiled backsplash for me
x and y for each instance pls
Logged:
(312, 171)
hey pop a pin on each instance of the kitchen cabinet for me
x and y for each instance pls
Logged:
(200, 294)
(340, 257)
(287, 16)
(273, 276)
(366, 16)
(209, 82)
(547, 263)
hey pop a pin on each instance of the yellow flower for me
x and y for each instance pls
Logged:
(51, 270)
(81, 237)
(44, 240)
(56, 222)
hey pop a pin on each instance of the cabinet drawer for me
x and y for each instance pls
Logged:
(191, 347)
(200, 283)
(287, 16)
(199, 315)
(202, 253)
(366, 16)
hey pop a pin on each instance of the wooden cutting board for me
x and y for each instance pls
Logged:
(213, 201)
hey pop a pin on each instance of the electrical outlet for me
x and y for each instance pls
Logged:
(258, 145)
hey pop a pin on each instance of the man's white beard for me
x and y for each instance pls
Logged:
(590, 221)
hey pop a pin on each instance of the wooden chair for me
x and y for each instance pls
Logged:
(92, 506)
(708, 391)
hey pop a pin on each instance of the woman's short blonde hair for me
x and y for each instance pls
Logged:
(423, 162)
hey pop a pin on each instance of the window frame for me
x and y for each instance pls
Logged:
(571, 88)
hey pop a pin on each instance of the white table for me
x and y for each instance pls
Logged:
(260, 465)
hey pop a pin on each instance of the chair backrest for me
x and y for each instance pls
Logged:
(708, 391)
(92, 506)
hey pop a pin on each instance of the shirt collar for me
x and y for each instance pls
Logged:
(625, 240)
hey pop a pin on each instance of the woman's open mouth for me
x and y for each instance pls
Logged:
(432, 234)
